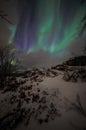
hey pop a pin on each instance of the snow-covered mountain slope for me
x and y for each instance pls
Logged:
(44, 100)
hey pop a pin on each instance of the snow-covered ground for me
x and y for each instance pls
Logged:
(45, 102)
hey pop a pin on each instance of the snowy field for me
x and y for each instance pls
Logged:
(45, 101)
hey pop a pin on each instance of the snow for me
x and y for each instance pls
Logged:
(57, 91)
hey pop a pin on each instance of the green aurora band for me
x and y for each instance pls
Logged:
(49, 25)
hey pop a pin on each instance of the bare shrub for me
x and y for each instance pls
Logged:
(7, 60)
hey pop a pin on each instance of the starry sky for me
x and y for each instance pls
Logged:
(47, 28)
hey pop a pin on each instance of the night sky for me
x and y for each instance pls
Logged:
(49, 27)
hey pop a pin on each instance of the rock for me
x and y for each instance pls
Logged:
(30, 87)
(27, 100)
(35, 98)
(45, 93)
(42, 100)
(46, 120)
(22, 95)
(40, 121)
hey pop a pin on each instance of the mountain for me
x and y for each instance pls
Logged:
(41, 98)
(76, 61)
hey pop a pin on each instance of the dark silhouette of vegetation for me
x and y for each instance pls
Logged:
(7, 66)
(76, 61)
(5, 17)
(84, 18)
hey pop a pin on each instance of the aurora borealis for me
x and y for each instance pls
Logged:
(49, 25)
